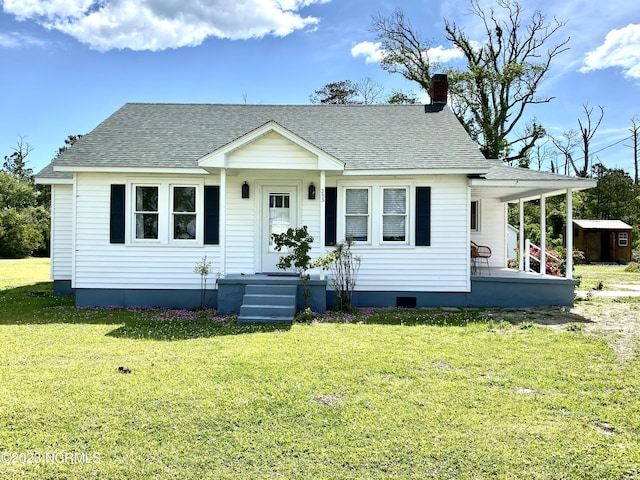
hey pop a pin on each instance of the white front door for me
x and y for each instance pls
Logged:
(278, 214)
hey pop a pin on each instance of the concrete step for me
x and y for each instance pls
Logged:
(267, 289)
(259, 319)
(266, 303)
(268, 310)
(266, 299)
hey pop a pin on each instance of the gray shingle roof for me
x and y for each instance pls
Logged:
(361, 136)
(500, 171)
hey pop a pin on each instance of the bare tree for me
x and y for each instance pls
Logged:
(566, 144)
(587, 131)
(16, 163)
(369, 90)
(503, 72)
(635, 132)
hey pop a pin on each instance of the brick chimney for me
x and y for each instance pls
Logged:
(439, 89)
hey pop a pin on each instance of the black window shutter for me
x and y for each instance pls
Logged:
(116, 229)
(423, 216)
(330, 215)
(211, 214)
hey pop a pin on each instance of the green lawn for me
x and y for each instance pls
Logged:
(385, 394)
(607, 276)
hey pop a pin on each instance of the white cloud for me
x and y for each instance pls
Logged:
(371, 51)
(621, 48)
(161, 24)
(19, 40)
(443, 55)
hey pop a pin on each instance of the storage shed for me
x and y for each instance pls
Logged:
(603, 240)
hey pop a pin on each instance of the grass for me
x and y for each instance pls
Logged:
(592, 277)
(382, 394)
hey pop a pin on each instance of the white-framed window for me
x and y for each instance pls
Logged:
(623, 239)
(184, 212)
(146, 212)
(394, 214)
(376, 214)
(357, 218)
(475, 216)
(164, 213)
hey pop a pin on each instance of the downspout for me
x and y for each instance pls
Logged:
(568, 233)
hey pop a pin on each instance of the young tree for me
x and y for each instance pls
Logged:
(503, 72)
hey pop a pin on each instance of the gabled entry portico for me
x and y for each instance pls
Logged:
(276, 167)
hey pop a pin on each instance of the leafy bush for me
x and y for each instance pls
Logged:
(22, 231)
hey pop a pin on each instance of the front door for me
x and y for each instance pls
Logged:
(278, 214)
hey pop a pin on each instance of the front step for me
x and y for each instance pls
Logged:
(268, 304)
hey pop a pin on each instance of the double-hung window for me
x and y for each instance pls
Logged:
(184, 213)
(394, 215)
(146, 212)
(357, 215)
(623, 239)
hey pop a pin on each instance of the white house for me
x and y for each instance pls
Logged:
(153, 189)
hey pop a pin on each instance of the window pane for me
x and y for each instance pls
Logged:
(474, 215)
(395, 201)
(184, 199)
(147, 225)
(357, 201)
(393, 228)
(184, 227)
(147, 199)
(356, 228)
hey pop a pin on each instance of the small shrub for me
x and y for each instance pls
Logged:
(298, 242)
(633, 268)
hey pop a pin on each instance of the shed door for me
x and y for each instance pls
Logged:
(279, 209)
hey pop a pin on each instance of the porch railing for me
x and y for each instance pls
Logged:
(534, 252)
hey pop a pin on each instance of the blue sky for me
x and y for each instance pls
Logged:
(68, 64)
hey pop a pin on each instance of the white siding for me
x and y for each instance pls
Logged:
(272, 151)
(100, 264)
(244, 216)
(493, 225)
(61, 231)
(441, 267)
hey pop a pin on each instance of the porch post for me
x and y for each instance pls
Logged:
(543, 235)
(223, 220)
(521, 234)
(568, 233)
(322, 217)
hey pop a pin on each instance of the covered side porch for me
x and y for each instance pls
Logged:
(525, 286)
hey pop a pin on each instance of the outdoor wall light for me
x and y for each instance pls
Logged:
(312, 191)
(245, 190)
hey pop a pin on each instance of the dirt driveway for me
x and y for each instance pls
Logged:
(612, 314)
